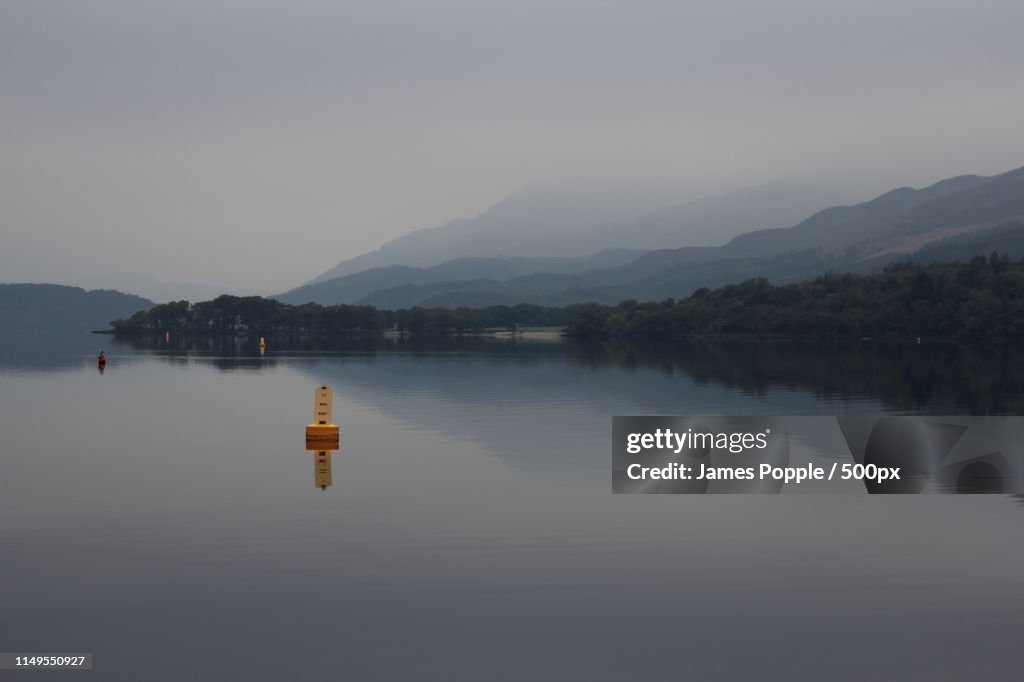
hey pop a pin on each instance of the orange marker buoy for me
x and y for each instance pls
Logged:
(322, 434)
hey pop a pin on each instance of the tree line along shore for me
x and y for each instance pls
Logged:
(980, 298)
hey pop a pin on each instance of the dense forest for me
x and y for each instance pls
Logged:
(253, 314)
(982, 298)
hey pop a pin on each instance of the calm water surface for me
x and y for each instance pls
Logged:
(165, 516)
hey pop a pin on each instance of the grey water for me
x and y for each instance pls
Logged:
(165, 516)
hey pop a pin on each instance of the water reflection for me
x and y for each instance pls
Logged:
(483, 520)
(478, 388)
(226, 353)
(250, 345)
(934, 378)
(42, 351)
(322, 469)
(925, 378)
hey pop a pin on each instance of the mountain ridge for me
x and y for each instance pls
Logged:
(840, 237)
(38, 306)
(573, 223)
(352, 288)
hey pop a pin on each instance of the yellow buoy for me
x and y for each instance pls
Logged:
(322, 434)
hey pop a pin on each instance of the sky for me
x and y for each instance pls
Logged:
(251, 144)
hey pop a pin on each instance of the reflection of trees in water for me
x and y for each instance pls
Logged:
(909, 377)
(225, 350)
(226, 353)
(222, 344)
(230, 352)
(906, 377)
(46, 352)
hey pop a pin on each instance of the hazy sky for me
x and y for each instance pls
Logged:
(259, 143)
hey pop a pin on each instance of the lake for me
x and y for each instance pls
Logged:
(166, 516)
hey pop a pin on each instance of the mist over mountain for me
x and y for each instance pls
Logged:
(569, 222)
(158, 290)
(956, 218)
(33, 307)
(354, 287)
(714, 221)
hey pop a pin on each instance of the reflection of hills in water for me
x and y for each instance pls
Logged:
(936, 378)
(59, 350)
(474, 388)
(925, 378)
(226, 353)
